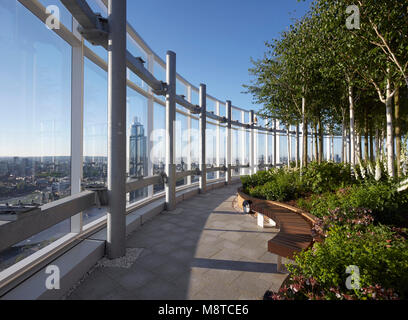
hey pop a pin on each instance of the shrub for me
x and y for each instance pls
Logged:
(275, 184)
(386, 204)
(282, 188)
(327, 176)
(320, 205)
(258, 179)
(380, 253)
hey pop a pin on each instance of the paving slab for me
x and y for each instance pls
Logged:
(208, 250)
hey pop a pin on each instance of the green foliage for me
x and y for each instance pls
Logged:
(327, 176)
(275, 184)
(380, 254)
(387, 205)
(260, 178)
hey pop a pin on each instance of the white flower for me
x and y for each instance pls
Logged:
(377, 171)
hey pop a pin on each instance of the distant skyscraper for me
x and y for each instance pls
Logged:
(137, 157)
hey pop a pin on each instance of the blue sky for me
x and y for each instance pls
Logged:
(214, 39)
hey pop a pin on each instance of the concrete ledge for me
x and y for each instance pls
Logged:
(72, 265)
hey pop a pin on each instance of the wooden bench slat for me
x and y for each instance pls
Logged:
(295, 232)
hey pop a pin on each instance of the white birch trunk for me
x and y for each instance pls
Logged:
(390, 131)
(303, 162)
(352, 133)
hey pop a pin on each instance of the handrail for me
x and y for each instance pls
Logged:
(183, 174)
(184, 103)
(44, 217)
(134, 184)
(214, 169)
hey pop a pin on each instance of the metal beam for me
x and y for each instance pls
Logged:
(228, 143)
(202, 126)
(215, 117)
(135, 184)
(136, 65)
(183, 174)
(46, 216)
(93, 27)
(215, 169)
(116, 235)
(170, 186)
(184, 103)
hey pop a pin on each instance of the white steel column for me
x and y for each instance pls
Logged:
(328, 155)
(266, 149)
(277, 144)
(218, 142)
(274, 143)
(297, 146)
(170, 186)
(116, 129)
(77, 122)
(289, 145)
(228, 143)
(243, 144)
(189, 137)
(203, 125)
(256, 147)
(251, 143)
(150, 124)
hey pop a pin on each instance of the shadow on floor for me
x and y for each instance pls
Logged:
(195, 254)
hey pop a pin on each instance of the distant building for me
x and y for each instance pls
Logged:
(137, 157)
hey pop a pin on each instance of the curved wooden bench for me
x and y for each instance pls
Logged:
(295, 226)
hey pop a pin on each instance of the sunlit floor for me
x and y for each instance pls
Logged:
(205, 249)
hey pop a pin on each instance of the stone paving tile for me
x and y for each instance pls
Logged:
(102, 287)
(206, 251)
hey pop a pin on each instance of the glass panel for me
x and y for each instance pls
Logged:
(211, 145)
(222, 110)
(261, 149)
(136, 51)
(223, 141)
(95, 125)
(194, 97)
(195, 145)
(211, 105)
(158, 138)
(236, 149)
(247, 138)
(246, 117)
(136, 158)
(182, 147)
(35, 130)
(283, 149)
(337, 149)
(270, 148)
(95, 166)
(236, 115)
(35, 122)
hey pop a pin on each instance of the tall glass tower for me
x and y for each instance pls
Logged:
(137, 157)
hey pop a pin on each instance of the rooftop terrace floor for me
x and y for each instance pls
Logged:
(205, 249)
